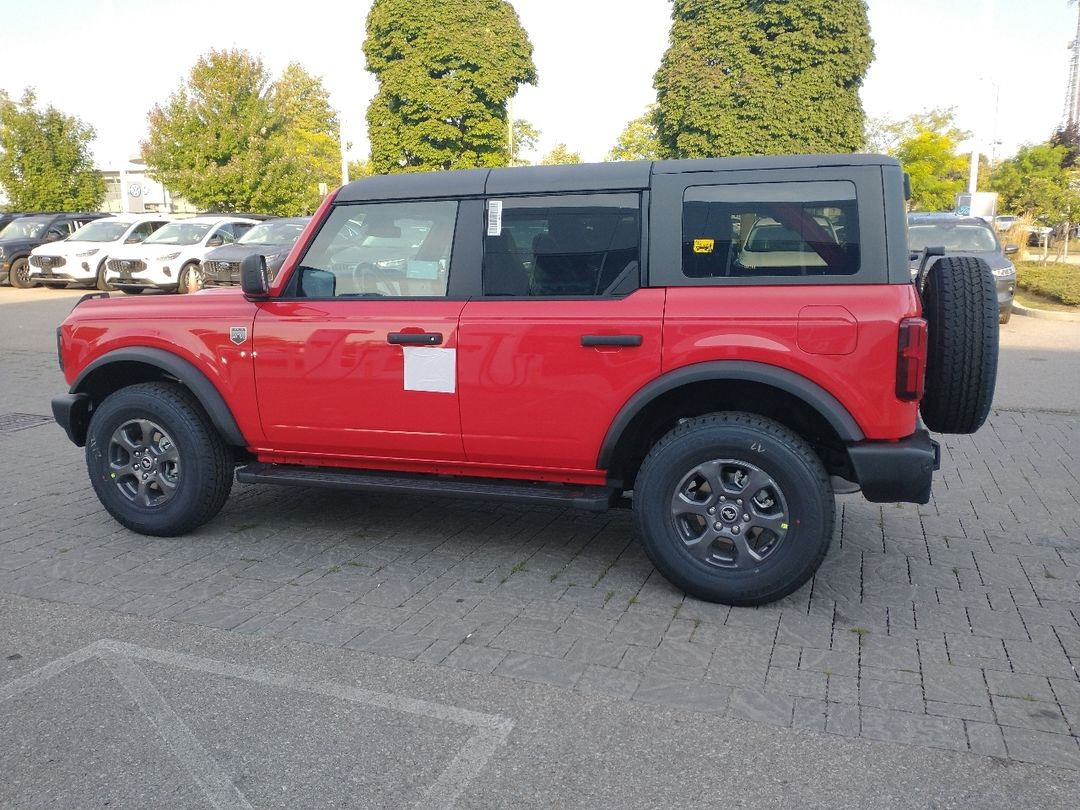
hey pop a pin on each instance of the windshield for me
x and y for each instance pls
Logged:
(103, 230)
(272, 233)
(178, 233)
(23, 229)
(954, 238)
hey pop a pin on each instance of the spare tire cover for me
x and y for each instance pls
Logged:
(960, 306)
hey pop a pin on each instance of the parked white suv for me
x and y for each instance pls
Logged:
(80, 259)
(169, 259)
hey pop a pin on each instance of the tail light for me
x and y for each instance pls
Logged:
(911, 360)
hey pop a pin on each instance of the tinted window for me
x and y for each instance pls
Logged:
(380, 249)
(770, 229)
(572, 245)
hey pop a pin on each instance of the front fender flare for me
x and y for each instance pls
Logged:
(194, 380)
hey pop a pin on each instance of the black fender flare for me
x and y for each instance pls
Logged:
(808, 391)
(183, 370)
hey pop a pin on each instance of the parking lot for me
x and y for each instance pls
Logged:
(314, 648)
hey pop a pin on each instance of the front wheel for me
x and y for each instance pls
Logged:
(19, 274)
(101, 282)
(155, 461)
(734, 508)
(190, 279)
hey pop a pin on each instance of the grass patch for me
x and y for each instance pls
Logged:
(243, 527)
(519, 566)
(357, 564)
(632, 601)
(609, 596)
(334, 569)
(862, 633)
(604, 573)
(1059, 282)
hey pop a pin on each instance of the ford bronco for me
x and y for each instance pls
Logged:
(598, 336)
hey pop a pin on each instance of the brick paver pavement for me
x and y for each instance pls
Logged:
(952, 625)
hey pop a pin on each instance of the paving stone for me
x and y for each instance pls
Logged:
(798, 682)
(805, 631)
(533, 641)
(985, 739)
(541, 669)
(1042, 748)
(319, 632)
(763, 706)
(830, 662)
(810, 713)
(1040, 715)
(963, 711)
(843, 689)
(1018, 685)
(680, 659)
(390, 643)
(890, 695)
(918, 729)
(844, 719)
(476, 659)
(601, 680)
(689, 695)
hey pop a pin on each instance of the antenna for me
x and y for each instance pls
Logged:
(1072, 96)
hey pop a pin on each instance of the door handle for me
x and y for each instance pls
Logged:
(414, 338)
(611, 340)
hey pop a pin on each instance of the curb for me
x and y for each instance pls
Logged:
(1046, 314)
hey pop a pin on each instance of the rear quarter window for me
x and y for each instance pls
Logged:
(770, 230)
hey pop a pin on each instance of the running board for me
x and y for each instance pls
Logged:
(590, 499)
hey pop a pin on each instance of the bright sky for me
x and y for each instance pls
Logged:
(110, 61)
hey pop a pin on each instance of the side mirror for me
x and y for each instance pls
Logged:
(52, 236)
(215, 241)
(1011, 249)
(253, 279)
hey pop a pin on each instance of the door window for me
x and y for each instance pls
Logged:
(574, 245)
(401, 250)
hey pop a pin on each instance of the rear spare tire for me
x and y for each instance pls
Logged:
(960, 306)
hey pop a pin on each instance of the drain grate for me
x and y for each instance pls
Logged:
(10, 422)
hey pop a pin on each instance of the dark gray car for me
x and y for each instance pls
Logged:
(273, 239)
(966, 236)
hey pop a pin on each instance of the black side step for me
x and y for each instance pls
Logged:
(590, 499)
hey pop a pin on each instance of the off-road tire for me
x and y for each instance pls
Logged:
(960, 306)
(770, 448)
(205, 462)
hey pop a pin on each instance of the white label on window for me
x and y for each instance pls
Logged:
(494, 218)
(430, 369)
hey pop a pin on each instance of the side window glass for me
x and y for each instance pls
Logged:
(240, 228)
(380, 249)
(770, 230)
(224, 233)
(572, 245)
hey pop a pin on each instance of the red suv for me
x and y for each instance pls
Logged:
(597, 336)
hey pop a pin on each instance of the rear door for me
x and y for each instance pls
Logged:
(562, 335)
(357, 358)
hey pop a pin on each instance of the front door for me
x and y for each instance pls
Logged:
(357, 358)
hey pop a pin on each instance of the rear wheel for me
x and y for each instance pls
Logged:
(734, 508)
(961, 309)
(156, 463)
(19, 274)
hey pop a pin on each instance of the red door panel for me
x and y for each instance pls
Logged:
(330, 383)
(532, 395)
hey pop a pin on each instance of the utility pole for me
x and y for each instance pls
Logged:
(1072, 94)
(344, 153)
(510, 130)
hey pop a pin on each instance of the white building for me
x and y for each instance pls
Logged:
(129, 190)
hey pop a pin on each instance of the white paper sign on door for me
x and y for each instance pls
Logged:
(430, 369)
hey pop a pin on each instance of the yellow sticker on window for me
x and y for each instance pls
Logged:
(704, 245)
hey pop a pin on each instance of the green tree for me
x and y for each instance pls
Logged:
(45, 161)
(1035, 183)
(926, 146)
(560, 155)
(525, 137)
(233, 139)
(745, 77)
(446, 69)
(638, 140)
(359, 169)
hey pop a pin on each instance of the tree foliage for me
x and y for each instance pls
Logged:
(638, 140)
(446, 69)
(233, 139)
(45, 161)
(1035, 183)
(745, 77)
(525, 136)
(926, 145)
(560, 155)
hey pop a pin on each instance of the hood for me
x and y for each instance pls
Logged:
(19, 245)
(275, 254)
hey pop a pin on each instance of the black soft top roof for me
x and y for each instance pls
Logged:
(618, 175)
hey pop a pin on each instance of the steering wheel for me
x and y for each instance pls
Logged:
(370, 279)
